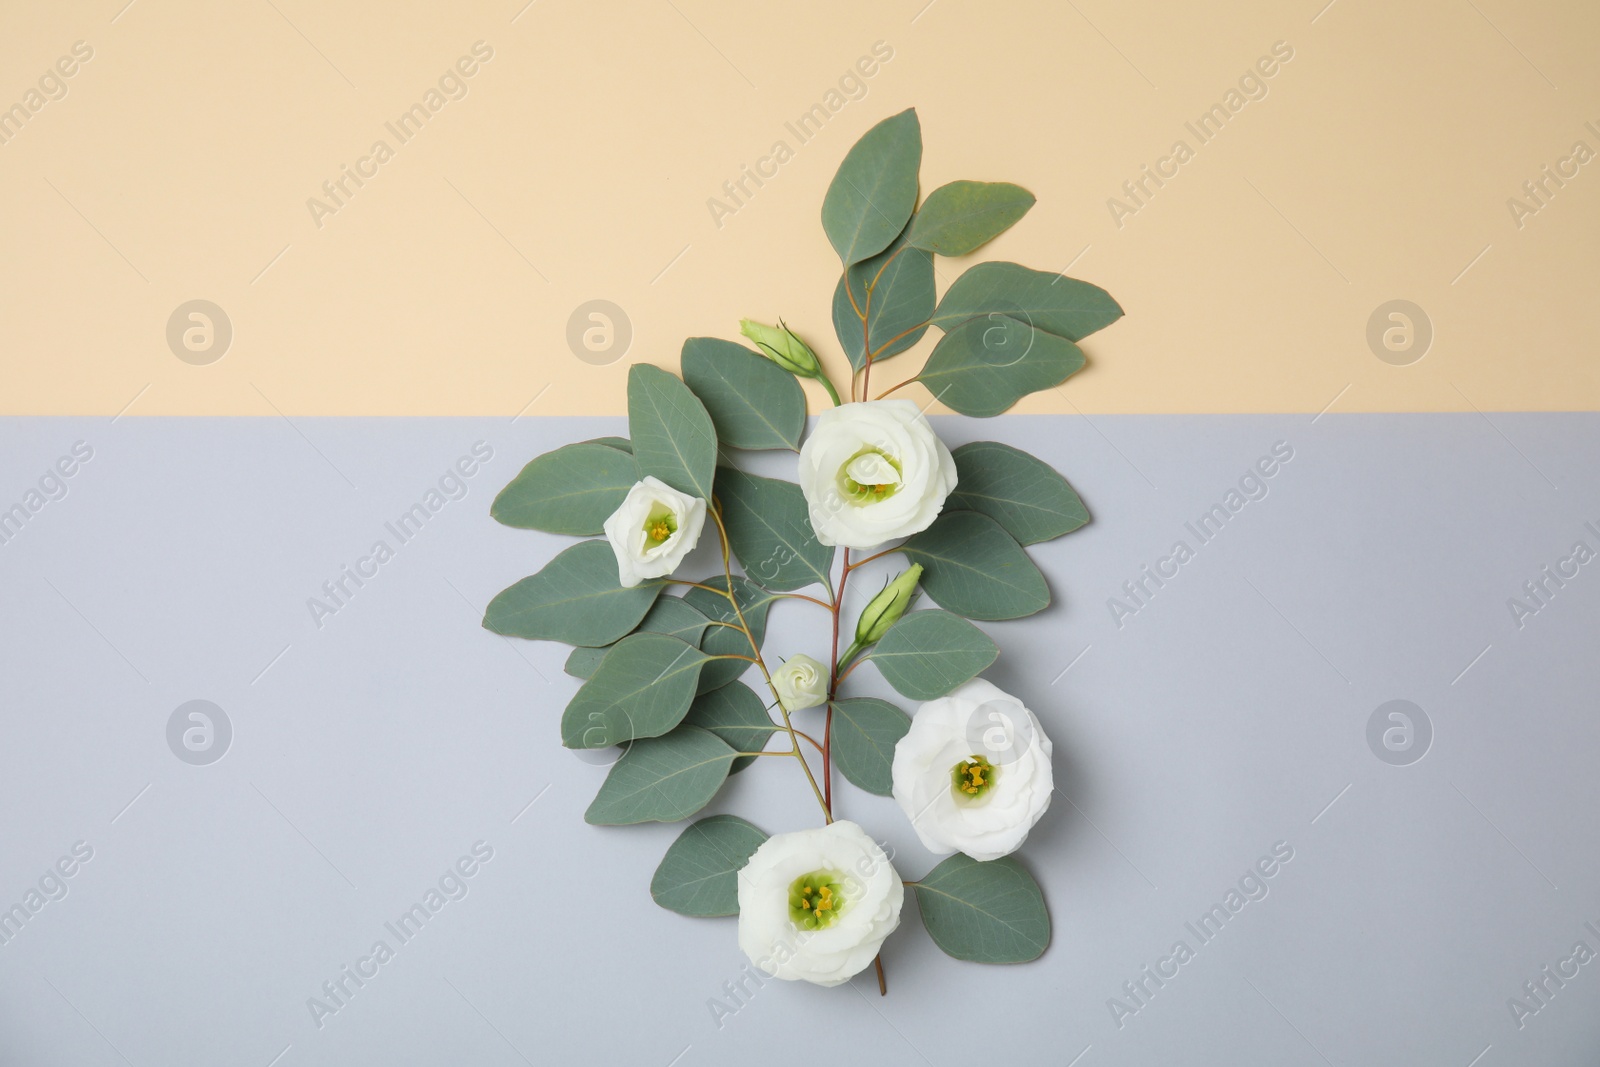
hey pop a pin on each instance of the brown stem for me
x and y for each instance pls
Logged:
(892, 388)
(755, 648)
(883, 986)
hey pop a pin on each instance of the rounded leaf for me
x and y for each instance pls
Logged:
(769, 529)
(672, 436)
(576, 598)
(572, 490)
(734, 713)
(986, 364)
(1022, 493)
(671, 615)
(928, 653)
(753, 402)
(865, 730)
(972, 567)
(959, 217)
(984, 912)
(642, 688)
(699, 875)
(662, 779)
(875, 189)
(1053, 303)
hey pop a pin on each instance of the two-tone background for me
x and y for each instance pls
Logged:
(274, 268)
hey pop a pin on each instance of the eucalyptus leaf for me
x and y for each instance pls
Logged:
(875, 189)
(988, 912)
(662, 779)
(1022, 493)
(985, 365)
(1053, 303)
(928, 653)
(572, 490)
(736, 714)
(642, 688)
(672, 435)
(576, 598)
(902, 302)
(972, 567)
(670, 615)
(769, 529)
(959, 217)
(699, 875)
(621, 444)
(862, 742)
(724, 640)
(753, 402)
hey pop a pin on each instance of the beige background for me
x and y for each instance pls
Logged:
(579, 164)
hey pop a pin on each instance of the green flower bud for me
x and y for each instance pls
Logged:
(779, 344)
(887, 607)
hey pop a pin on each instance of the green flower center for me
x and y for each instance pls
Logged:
(660, 525)
(869, 476)
(972, 777)
(816, 899)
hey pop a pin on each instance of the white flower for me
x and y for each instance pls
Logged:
(816, 905)
(801, 682)
(872, 472)
(973, 772)
(653, 529)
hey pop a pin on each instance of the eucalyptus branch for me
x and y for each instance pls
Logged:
(755, 648)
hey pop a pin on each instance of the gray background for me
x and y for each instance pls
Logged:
(368, 754)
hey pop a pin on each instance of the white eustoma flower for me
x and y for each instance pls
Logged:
(801, 682)
(872, 472)
(973, 772)
(653, 529)
(816, 905)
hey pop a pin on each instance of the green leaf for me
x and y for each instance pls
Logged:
(1022, 493)
(671, 615)
(903, 298)
(875, 189)
(974, 568)
(576, 598)
(673, 437)
(753, 402)
(928, 653)
(769, 529)
(984, 912)
(957, 218)
(699, 875)
(985, 365)
(662, 779)
(621, 444)
(642, 688)
(572, 490)
(865, 730)
(1063, 306)
(735, 714)
(724, 640)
